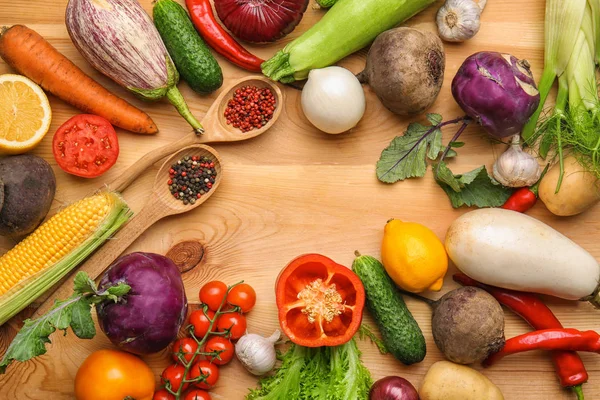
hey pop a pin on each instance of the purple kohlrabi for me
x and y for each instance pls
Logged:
(497, 90)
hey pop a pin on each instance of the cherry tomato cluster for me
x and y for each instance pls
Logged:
(213, 328)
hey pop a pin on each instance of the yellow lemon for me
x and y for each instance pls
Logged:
(25, 114)
(413, 256)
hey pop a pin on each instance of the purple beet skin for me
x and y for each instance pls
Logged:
(148, 318)
(496, 90)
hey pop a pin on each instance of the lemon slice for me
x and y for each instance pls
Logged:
(25, 114)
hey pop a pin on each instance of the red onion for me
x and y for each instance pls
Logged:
(260, 20)
(393, 388)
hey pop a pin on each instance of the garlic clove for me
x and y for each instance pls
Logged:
(458, 20)
(516, 168)
(256, 353)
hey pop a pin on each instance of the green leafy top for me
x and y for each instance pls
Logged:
(321, 373)
(474, 188)
(285, 383)
(406, 157)
(74, 312)
(350, 379)
(366, 332)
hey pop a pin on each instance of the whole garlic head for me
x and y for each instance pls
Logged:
(515, 168)
(458, 20)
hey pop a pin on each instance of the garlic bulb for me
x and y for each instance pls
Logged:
(333, 99)
(256, 353)
(458, 20)
(515, 168)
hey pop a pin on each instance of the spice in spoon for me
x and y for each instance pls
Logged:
(191, 178)
(251, 107)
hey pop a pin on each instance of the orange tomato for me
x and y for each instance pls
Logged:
(114, 375)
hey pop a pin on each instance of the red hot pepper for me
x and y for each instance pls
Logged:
(568, 364)
(549, 339)
(218, 38)
(524, 198)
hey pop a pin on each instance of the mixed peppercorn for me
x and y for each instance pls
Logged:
(251, 107)
(191, 177)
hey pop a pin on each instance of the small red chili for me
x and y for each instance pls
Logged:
(549, 339)
(218, 38)
(524, 198)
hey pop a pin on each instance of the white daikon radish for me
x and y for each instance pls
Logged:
(515, 251)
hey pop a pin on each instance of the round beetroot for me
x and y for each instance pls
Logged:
(260, 21)
(148, 318)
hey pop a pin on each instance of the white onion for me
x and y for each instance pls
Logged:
(333, 99)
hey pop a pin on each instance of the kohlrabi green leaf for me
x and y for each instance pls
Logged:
(81, 319)
(84, 284)
(74, 312)
(474, 188)
(406, 155)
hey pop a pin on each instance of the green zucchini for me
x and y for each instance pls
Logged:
(192, 57)
(346, 28)
(326, 3)
(399, 330)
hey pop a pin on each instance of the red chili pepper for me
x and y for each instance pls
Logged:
(568, 364)
(217, 38)
(524, 198)
(549, 339)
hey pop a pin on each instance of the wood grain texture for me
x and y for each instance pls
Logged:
(295, 190)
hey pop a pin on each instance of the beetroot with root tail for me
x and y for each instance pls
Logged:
(260, 21)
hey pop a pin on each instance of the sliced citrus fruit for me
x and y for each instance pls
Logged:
(25, 114)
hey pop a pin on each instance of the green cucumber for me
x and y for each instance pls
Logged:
(399, 330)
(192, 57)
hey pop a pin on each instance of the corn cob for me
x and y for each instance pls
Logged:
(56, 247)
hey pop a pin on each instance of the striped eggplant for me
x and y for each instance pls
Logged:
(119, 39)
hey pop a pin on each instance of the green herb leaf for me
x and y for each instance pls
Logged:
(32, 338)
(320, 373)
(434, 119)
(456, 144)
(115, 292)
(285, 383)
(84, 284)
(314, 378)
(405, 156)
(366, 332)
(451, 153)
(349, 378)
(81, 319)
(474, 188)
(75, 312)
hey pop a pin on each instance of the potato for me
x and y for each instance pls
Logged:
(449, 381)
(578, 192)
(28, 185)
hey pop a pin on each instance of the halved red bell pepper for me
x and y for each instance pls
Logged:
(320, 302)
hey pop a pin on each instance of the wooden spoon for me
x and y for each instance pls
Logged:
(216, 130)
(159, 205)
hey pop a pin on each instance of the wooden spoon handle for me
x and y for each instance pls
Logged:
(105, 255)
(151, 158)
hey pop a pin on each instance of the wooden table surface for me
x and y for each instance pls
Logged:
(296, 190)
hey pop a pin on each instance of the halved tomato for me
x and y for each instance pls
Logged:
(320, 302)
(86, 145)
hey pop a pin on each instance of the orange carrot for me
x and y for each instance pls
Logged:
(31, 55)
